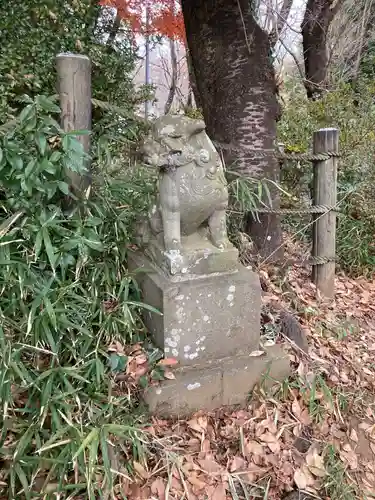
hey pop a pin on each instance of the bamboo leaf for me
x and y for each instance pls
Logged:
(93, 434)
(8, 223)
(38, 244)
(49, 248)
(105, 457)
(23, 480)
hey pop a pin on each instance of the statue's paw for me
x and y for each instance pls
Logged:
(221, 243)
(173, 245)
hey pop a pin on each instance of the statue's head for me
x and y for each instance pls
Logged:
(170, 135)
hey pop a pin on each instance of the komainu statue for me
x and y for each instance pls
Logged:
(186, 229)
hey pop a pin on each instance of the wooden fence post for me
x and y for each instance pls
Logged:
(324, 227)
(74, 87)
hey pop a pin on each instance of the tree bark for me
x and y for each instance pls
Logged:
(317, 19)
(192, 79)
(114, 30)
(189, 100)
(173, 85)
(236, 83)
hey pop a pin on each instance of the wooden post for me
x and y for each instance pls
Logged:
(74, 86)
(324, 227)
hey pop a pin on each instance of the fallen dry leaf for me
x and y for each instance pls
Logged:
(349, 456)
(370, 478)
(370, 431)
(141, 359)
(158, 488)
(256, 354)
(271, 440)
(296, 408)
(267, 437)
(168, 362)
(315, 463)
(196, 481)
(217, 492)
(237, 463)
(354, 436)
(210, 465)
(205, 446)
(169, 375)
(139, 469)
(364, 426)
(253, 447)
(300, 479)
(177, 485)
(198, 424)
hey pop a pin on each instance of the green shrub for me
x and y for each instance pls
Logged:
(65, 293)
(33, 32)
(353, 113)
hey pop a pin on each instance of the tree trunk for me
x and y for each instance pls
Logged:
(317, 19)
(189, 100)
(282, 19)
(173, 85)
(114, 30)
(192, 79)
(236, 83)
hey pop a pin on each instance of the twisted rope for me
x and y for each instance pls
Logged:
(320, 260)
(312, 261)
(316, 209)
(307, 156)
(280, 155)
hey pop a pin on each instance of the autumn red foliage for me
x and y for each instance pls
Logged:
(164, 17)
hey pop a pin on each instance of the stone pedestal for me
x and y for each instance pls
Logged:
(211, 324)
(210, 304)
(222, 382)
(199, 256)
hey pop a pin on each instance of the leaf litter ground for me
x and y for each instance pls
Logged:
(314, 433)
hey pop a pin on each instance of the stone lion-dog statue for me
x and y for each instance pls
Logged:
(190, 210)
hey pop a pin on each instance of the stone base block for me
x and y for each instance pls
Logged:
(224, 382)
(206, 318)
(198, 256)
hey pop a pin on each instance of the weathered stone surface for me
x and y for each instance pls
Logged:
(198, 256)
(242, 373)
(192, 200)
(206, 318)
(193, 389)
(227, 381)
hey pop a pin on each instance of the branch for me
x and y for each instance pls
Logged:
(282, 18)
(114, 30)
(297, 63)
(172, 90)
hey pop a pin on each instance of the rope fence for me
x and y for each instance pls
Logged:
(315, 209)
(324, 158)
(278, 153)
